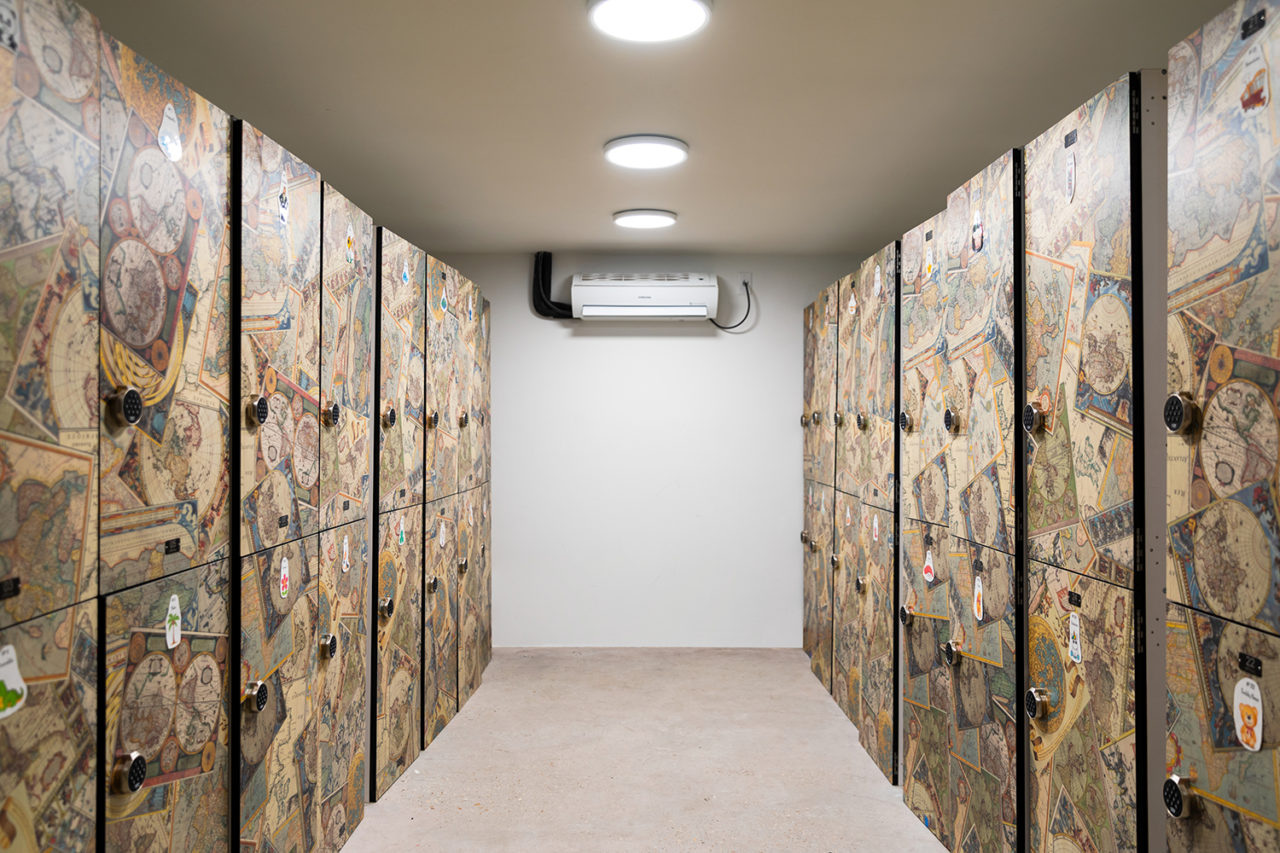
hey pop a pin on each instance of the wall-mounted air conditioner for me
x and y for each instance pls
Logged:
(656, 296)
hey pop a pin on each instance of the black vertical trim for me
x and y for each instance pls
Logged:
(376, 504)
(1020, 492)
(235, 708)
(895, 775)
(422, 623)
(1137, 369)
(104, 760)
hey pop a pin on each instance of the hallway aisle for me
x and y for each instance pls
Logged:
(645, 749)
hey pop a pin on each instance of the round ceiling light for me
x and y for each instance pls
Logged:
(644, 218)
(646, 152)
(650, 20)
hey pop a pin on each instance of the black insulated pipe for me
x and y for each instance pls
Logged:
(543, 306)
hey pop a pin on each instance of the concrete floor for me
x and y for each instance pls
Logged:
(645, 749)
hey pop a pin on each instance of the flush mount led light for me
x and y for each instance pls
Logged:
(644, 218)
(646, 151)
(649, 20)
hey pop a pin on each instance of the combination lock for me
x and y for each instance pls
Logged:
(124, 407)
(905, 422)
(951, 421)
(838, 419)
(1037, 703)
(128, 772)
(861, 421)
(328, 646)
(835, 562)
(951, 653)
(860, 585)
(257, 412)
(256, 694)
(463, 420)
(813, 546)
(1180, 414)
(1032, 418)
(389, 417)
(1178, 799)
(462, 567)
(433, 421)
(387, 607)
(432, 586)
(332, 415)
(815, 419)
(905, 615)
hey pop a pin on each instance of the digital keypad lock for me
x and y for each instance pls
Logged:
(905, 421)
(128, 772)
(257, 411)
(1180, 414)
(256, 694)
(124, 407)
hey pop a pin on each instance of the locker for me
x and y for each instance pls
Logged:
(1078, 420)
(819, 544)
(342, 627)
(165, 324)
(820, 333)
(49, 331)
(485, 446)
(440, 694)
(280, 347)
(402, 373)
(868, 373)
(279, 687)
(846, 608)
(399, 622)
(1221, 746)
(166, 763)
(873, 588)
(464, 360)
(349, 272)
(444, 385)
(486, 575)
(470, 595)
(49, 731)
(1082, 764)
(924, 439)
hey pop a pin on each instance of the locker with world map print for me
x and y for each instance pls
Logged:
(402, 378)
(167, 699)
(280, 436)
(847, 585)
(447, 387)
(398, 614)
(164, 371)
(440, 603)
(818, 541)
(49, 769)
(348, 299)
(484, 388)
(471, 621)
(1223, 568)
(280, 697)
(464, 357)
(49, 330)
(818, 417)
(486, 576)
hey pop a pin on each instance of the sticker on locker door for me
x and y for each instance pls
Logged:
(13, 690)
(875, 528)
(170, 138)
(1073, 638)
(977, 599)
(928, 566)
(346, 554)
(173, 623)
(284, 577)
(1248, 714)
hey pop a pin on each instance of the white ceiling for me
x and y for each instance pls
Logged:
(814, 125)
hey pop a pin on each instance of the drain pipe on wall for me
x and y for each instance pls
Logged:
(542, 304)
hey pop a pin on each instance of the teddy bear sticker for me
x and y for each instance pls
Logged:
(1248, 714)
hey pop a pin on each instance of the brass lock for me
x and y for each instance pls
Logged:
(835, 562)
(1037, 703)
(815, 419)
(905, 421)
(389, 417)
(1181, 414)
(462, 567)
(387, 607)
(813, 546)
(905, 615)
(862, 422)
(124, 407)
(804, 537)
(860, 585)
(463, 420)
(951, 421)
(433, 585)
(128, 772)
(328, 646)
(256, 694)
(1179, 802)
(1032, 418)
(951, 653)
(433, 421)
(838, 419)
(257, 411)
(331, 414)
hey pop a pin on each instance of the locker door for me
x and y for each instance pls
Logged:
(821, 336)
(926, 568)
(167, 699)
(486, 576)
(470, 602)
(821, 547)
(279, 767)
(399, 652)
(1221, 749)
(48, 361)
(464, 364)
(349, 270)
(978, 391)
(280, 347)
(923, 437)
(401, 373)
(1083, 770)
(484, 399)
(49, 728)
(443, 387)
(165, 324)
(846, 625)
(1079, 417)
(877, 662)
(848, 387)
(342, 626)
(440, 700)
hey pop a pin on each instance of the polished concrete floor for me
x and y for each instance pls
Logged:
(645, 749)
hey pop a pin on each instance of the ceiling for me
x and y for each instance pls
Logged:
(813, 125)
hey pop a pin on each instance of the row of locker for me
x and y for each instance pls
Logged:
(1009, 414)
(152, 243)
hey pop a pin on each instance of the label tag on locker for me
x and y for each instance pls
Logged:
(1256, 93)
(284, 203)
(928, 566)
(169, 137)
(346, 554)
(1073, 638)
(1248, 714)
(351, 244)
(1070, 179)
(848, 516)
(441, 539)
(284, 577)
(173, 623)
(928, 261)
(879, 286)
(853, 302)
(875, 528)
(404, 273)
(977, 599)
(13, 690)
(400, 529)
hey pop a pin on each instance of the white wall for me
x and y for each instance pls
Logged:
(647, 478)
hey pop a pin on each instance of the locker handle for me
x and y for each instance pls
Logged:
(128, 772)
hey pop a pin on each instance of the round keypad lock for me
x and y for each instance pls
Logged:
(978, 566)
(125, 406)
(434, 420)
(860, 585)
(1177, 797)
(332, 415)
(387, 607)
(1036, 703)
(463, 420)
(462, 567)
(835, 562)
(815, 419)
(804, 419)
(905, 615)
(1032, 418)
(951, 421)
(813, 546)
(258, 411)
(904, 421)
(128, 772)
(480, 418)
(483, 548)
(951, 653)
(862, 421)
(256, 694)
(804, 537)
(838, 419)
(1180, 413)
(389, 417)
(432, 586)
(328, 646)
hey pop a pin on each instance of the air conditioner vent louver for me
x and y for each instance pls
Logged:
(649, 296)
(633, 277)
